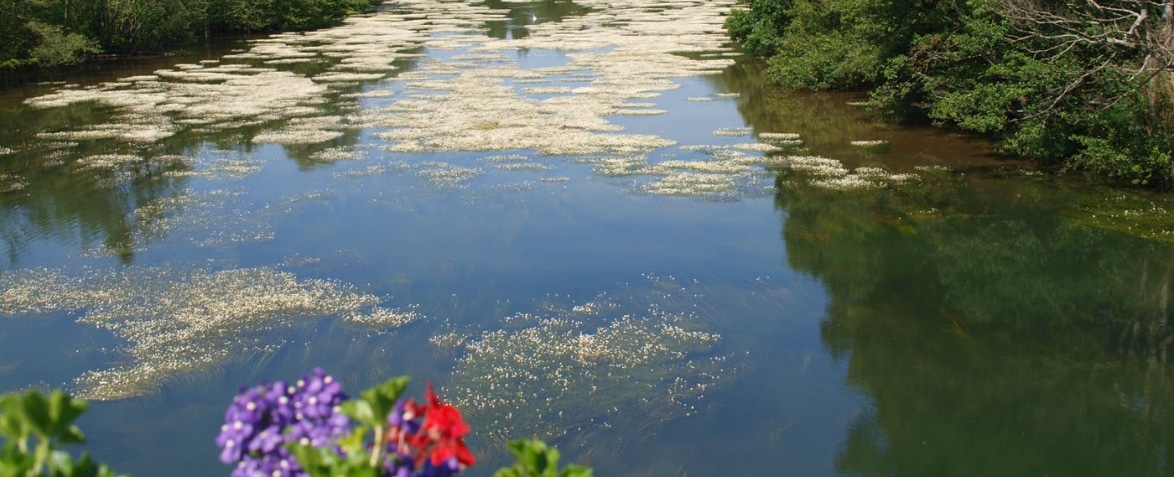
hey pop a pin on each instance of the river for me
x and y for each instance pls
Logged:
(586, 221)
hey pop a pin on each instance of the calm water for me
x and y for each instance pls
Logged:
(575, 220)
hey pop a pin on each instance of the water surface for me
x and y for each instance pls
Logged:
(588, 222)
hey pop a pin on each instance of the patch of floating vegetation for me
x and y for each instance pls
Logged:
(629, 52)
(770, 136)
(231, 168)
(308, 130)
(728, 95)
(832, 174)
(732, 132)
(869, 143)
(728, 167)
(932, 168)
(127, 132)
(523, 166)
(338, 77)
(207, 219)
(722, 173)
(12, 182)
(297, 135)
(816, 166)
(206, 97)
(621, 166)
(58, 145)
(699, 99)
(640, 112)
(757, 147)
(779, 138)
(375, 93)
(446, 175)
(547, 90)
(691, 184)
(384, 317)
(108, 161)
(507, 158)
(178, 321)
(573, 364)
(291, 61)
(374, 170)
(336, 154)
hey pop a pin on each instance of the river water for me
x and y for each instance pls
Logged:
(588, 222)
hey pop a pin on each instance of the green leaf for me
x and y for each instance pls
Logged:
(535, 459)
(320, 462)
(12, 421)
(354, 442)
(324, 462)
(63, 410)
(360, 410)
(573, 470)
(13, 462)
(48, 417)
(381, 400)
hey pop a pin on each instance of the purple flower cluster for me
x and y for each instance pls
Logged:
(261, 420)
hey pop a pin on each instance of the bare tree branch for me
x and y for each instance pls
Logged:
(1134, 38)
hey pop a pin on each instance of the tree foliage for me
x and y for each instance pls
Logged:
(58, 32)
(1087, 84)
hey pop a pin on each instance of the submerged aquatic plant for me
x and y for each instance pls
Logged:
(582, 364)
(183, 320)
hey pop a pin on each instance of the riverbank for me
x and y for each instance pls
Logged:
(36, 36)
(1047, 91)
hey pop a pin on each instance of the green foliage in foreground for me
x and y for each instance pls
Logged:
(535, 459)
(45, 33)
(1085, 89)
(34, 425)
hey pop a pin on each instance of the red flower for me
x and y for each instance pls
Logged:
(442, 435)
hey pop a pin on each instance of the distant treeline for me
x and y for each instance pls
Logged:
(1087, 83)
(58, 32)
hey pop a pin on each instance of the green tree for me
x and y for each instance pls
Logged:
(1084, 84)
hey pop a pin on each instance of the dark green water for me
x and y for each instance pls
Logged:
(983, 319)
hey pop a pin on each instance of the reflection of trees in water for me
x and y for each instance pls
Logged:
(529, 13)
(80, 206)
(1147, 334)
(828, 122)
(69, 204)
(822, 120)
(994, 337)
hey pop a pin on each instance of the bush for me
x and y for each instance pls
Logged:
(1051, 91)
(306, 428)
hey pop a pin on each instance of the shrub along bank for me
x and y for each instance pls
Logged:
(59, 32)
(1085, 84)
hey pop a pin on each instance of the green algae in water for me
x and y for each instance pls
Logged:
(570, 366)
(1136, 213)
